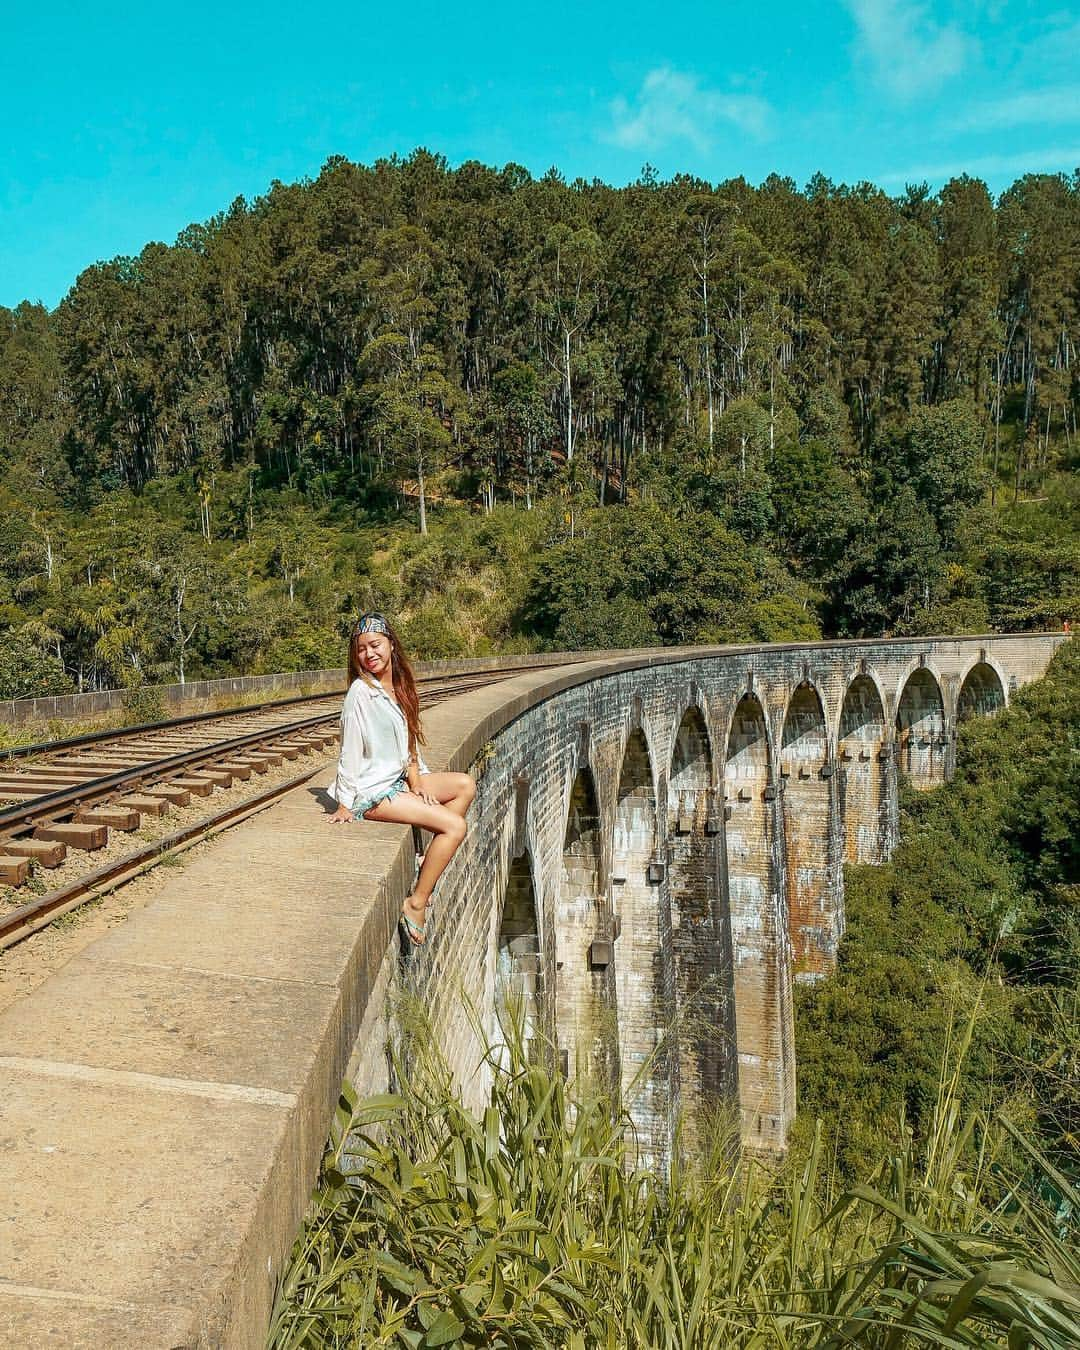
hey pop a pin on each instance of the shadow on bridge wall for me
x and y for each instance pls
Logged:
(657, 855)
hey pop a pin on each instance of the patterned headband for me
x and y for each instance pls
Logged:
(371, 623)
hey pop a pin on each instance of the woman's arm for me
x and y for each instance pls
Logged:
(414, 769)
(412, 772)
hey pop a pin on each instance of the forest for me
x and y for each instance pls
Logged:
(523, 413)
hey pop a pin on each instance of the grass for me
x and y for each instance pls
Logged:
(530, 1225)
(140, 705)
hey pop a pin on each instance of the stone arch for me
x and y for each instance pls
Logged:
(691, 699)
(519, 995)
(812, 879)
(982, 692)
(610, 764)
(643, 972)
(762, 964)
(691, 757)
(701, 932)
(920, 729)
(864, 800)
(584, 966)
(748, 748)
(637, 726)
(862, 714)
(804, 737)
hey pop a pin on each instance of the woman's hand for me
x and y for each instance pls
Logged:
(425, 797)
(342, 816)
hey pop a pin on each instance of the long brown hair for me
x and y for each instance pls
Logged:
(403, 679)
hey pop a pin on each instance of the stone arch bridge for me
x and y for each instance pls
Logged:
(657, 856)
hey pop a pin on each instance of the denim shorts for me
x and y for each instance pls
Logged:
(366, 803)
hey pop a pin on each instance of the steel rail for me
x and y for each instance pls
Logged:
(28, 919)
(23, 922)
(16, 820)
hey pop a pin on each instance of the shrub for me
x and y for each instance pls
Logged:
(143, 703)
(530, 1225)
(26, 672)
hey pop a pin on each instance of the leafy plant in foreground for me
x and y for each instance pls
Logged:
(529, 1225)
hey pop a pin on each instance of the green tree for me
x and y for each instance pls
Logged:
(936, 455)
(26, 672)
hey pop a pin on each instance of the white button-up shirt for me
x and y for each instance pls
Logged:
(374, 744)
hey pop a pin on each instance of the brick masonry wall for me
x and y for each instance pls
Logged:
(678, 760)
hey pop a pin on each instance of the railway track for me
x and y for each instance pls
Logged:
(63, 805)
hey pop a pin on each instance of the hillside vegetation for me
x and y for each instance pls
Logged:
(520, 412)
(965, 944)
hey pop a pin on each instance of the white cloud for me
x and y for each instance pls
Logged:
(1046, 106)
(673, 106)
(1053, 160)
(907, 51)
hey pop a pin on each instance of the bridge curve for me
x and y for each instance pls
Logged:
(800, 753)
(651, 865)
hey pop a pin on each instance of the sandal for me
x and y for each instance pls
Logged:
(413, 931)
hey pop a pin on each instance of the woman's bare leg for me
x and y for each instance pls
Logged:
(448, 829)
(455, 791)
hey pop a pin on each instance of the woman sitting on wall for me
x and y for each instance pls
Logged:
(381, 775)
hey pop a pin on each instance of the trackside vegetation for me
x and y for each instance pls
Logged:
(529, 1225)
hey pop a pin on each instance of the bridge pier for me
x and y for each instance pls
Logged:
(585, 994)
(809, 812)
(643, 957)
(701, 937)
(759, 931)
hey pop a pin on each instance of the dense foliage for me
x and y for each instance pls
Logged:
(842, 412)
(975, 919)
(531, 1226)
(26, 672)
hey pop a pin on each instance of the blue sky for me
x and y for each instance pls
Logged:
(122, 123)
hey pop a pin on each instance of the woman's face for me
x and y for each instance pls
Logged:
(373, 653)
